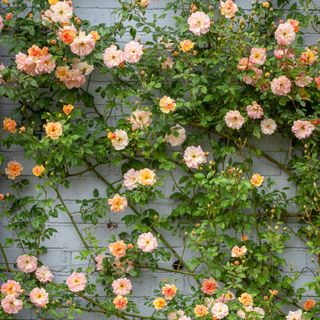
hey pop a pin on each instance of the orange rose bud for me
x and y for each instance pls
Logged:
(9, 16)
(236, 263)
(315, 122)
(67, 109)
(244, 237)
(266, 298)
(53, 42)
(309, 304)
(130, 246)
(274, 292)
(1, 196)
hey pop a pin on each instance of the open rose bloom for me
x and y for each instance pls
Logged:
(76, 282)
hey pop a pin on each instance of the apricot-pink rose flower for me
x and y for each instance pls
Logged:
(199, 23)
(117, 203)
(281, 86)
(234, 119)
(133, 51)
(43, 274)
(194, 157)
(39, 297)
(113, 57)
(61, 12)
(27, 264)
(220, 310)
(268, 126)
(238, 252)
(119, 139)
(76, 282)
(83, 44)
(121, 286)
(294, 315)
(303, 81)
(285, 34)
(302, 129)
(254, 110)
(140, 119)
(177, 135)
(258, 56)
(130, 179)
(11, 305)
(11, 288)
(228, 9)
(147, 242)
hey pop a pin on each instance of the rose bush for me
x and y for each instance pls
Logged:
(192, 101)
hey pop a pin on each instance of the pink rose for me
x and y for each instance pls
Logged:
(147, 242)
(27, 264)
(285, 34)
(121, 286)
(11, 305)
(43, 274)
(281, 86)
(133, 52)
(199, 23)
(302, 129)
(194, 157)
(234, 119)
(39, 297)
(76, 282)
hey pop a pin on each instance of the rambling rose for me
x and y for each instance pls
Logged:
(121, 286)
(133, 52)
(177, 135)
(118, 249)
(76, 282)
(118, 203)
(119, 139)
(199, 23)
(147, 242)
(285, 34)
(234, 119)
(220, 310)
(268, 126)
(209, 286)
(39, 297)
(113, 57)
(11, 305)
(302, 129)
(228, 9)
(13, 169)
(27, 264)
(238, 252)
(43, 274)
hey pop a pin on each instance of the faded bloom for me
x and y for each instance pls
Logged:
(146, 177)
(285, 34)
(228, 8)
(121, 286)
(194, 157)
(234, 119)
(11, 288)
(186, 45)
(39, 297)
(130, 179)
(169, 291)
(281, 86)
(226, 297)
(140, 119)
(246, 299)
(67, 109)
(209, 286)
(302, 129)
(303, 81)
(220, 310)
(83, 44)
(200, 310)
(294, 315)
(258, 56)
(27, 264)
(9, 125)
(44, 275)
(76, 282)
(120, 302)
(11, 305)
(99, 259)
(38, 170)
(254, 111)
(244, 64)
(256, 180)
(119, 139)
(167, 104)
(167, 64)
(177, 135)
(147, 242)
(118, 249)
(118, 203)
(268, 126)
(113, 57)
(238, 252)
(159, 303)
(83, 66)
(199, 23)
(53, 130)
(133, 52)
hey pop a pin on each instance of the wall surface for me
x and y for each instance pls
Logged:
(63, 248)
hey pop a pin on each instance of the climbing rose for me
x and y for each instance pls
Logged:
(234, 119)
(61, 12)
(169, 291)
(258, 56)
(13, 169)
(200, 310)
(254, 110)
(11, 288)
(11, 305)
(303, 81)
(43, 274)
(39, 297)
(159, 303)
(186, 45)
(309, 304)
(256, 180)
(140, 119)
(130, 179)
(228, 9)
(199, 23)
(118, 248)
(285, 34)
(177, 135)
(120, 302)
(302, 129)
(194, 157)
(268, 126)
(27, 264)
(118, 203)
(220, 310)
(38, 170)
(294, 315)
(99, 259)
(9, 125)
(121, 286)
(147, 242)
(119, 139)
(146, 177)
(76, 282)
(53, 130)
(238, 252)
(246, 299)
(167, 104)
(281, 86)
(67, 109)
(133, 52)
(83, 44)
(113, 57)
(67, 34)
(209, 286)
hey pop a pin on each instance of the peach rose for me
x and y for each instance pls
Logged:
(159, 303)
(209, 286)
(118, 249)
(169, 291)
(167, 104)
(238, 252)
(27, 264)
(76, 282)
(53, 130)
(186, 45)
(9, 125)
(256, 180)
(67, 109)
(11, 288)
(246, 299)
(200, 310)
(118, 203)
(13, 169)
(120, 302)
(38, 170)
(146, 177)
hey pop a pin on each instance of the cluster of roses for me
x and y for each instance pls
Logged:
(11, 289)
